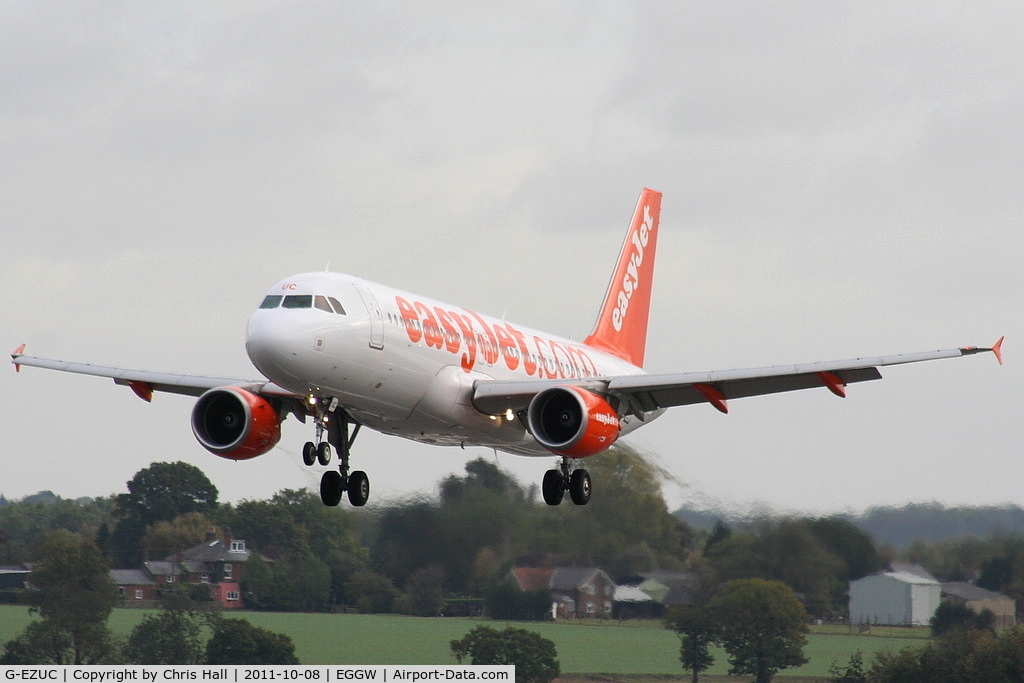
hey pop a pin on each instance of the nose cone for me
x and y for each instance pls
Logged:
(270, 346)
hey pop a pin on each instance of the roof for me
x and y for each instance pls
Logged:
(532, 578)
(571, 578)
(914, 569)
(215, 551)
(131, 577)
(902, 577)
(631, 594)
(968, 591)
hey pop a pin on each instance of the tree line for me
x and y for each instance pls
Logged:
(420, 554)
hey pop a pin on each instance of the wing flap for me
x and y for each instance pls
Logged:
(639, 394)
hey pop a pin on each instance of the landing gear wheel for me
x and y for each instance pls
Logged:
(579, 487)
(358, 488)
(553, 487)
(309, 454)
(323, 453)
(332, 486)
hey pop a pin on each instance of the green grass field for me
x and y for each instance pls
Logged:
(599, 647)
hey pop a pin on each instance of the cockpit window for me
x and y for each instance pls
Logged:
(320, 302)
(272, 301)
(328, 304)
(299, 301)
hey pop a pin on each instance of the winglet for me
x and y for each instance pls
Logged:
(14, 356)
(997, 349)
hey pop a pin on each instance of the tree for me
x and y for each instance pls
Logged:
(954, 616)
(166, 490)
(790, 551)
(505, 601)
(158, 493)
(697, 631)
(762, 627)
(534, 657)
(853, 673)
(73, 596)
(236, 641)
(174, 636)
(965, 656)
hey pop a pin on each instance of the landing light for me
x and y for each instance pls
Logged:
(509, 415)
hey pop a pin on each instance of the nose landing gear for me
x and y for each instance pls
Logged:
(334, 484)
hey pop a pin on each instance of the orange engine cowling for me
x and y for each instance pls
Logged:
(235, 424)
(571, 421)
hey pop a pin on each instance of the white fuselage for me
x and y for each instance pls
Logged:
(403, 364)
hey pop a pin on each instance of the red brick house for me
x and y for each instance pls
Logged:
(216, 563)
(579, 592)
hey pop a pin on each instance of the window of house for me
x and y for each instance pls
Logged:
(170, 578)
(138, 595)
(233, 596)
(228, 570)
(205, 578)
(238, 546)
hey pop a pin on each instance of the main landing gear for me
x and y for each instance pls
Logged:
(334, 484)
(558, 481)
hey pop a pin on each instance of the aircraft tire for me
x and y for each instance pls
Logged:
(331, 488)
(579, 487)
(358, 488)
(323, 453)
(553, 487)
(309, 454)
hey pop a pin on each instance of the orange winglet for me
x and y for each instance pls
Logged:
(997, 349)
(714, 397)
(17, 352)
(834, 384)
(143, 390)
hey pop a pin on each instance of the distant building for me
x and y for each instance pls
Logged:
(14, 578)
(980, 599)
(904, 596)
(217, 563)
(579, 592)
(583, 592)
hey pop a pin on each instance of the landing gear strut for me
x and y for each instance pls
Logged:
(558, 481)
(334, 484)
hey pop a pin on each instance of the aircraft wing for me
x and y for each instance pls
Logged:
(145, 382)
(640, 394)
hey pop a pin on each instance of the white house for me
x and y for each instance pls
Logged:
(903, 597)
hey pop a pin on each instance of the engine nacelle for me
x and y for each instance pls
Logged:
(571, 421)
(235, 424)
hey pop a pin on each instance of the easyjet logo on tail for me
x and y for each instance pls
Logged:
(621, 327)
(631, 280)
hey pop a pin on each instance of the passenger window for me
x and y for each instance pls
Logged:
(299, 301)
(321, 303)
(337, 305)
(272, 301)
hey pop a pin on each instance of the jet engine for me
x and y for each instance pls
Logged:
(235, 424)
(571, 421)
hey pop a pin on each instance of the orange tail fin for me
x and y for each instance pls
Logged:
(621, 327)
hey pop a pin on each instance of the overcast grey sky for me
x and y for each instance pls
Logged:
(839, 179)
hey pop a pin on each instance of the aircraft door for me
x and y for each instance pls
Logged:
(376, 317)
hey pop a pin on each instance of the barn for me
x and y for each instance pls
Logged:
(905, 596)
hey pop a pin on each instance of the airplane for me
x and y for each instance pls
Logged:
(345, 353)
